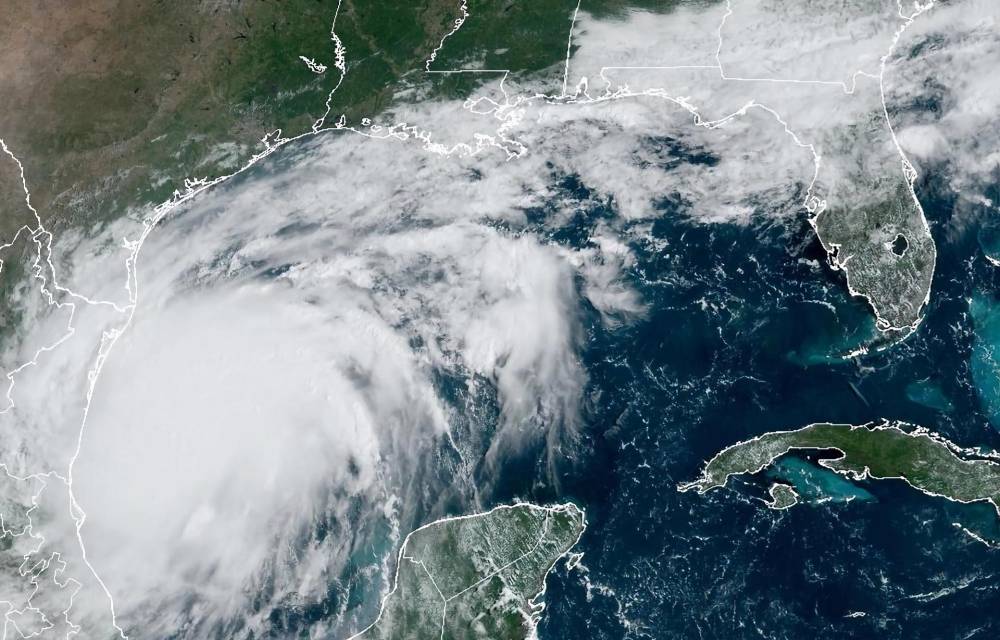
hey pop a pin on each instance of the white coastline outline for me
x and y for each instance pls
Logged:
(773, 503)
(400, 131)
(704, 483)
(534, 602)
(814, 205)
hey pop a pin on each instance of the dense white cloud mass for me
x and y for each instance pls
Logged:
(282, 375)
(281, 364)
(940, 85)
(831, 41)
(821, 117)
(283, 357)
(688, 36)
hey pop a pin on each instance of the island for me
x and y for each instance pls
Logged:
(882, 450)
(477, 576)
(783, 496)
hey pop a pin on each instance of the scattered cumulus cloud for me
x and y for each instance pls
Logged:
(284, 365)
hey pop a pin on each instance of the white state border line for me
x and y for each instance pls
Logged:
(459, 21)
(569, 45)
(534, 601)
(33, 570)
(507, 113)
(447, 599)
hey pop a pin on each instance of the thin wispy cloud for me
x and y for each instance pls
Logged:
(282, 378)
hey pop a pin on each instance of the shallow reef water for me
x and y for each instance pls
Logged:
(743, 336)
(816, 484)
(985, 361)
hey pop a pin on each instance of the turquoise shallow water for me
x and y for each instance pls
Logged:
(814, 483)
(985, 360)
(835, 333)
(989, 240)
(929, 394)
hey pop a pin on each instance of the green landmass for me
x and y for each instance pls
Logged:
(874, 229)
(111, 105)
(476, 576)
(783, 496)
(524, 37)
(879, 451)
(528, 39)
(886, 252)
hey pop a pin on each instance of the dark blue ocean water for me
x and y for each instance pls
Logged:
(742, 336)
